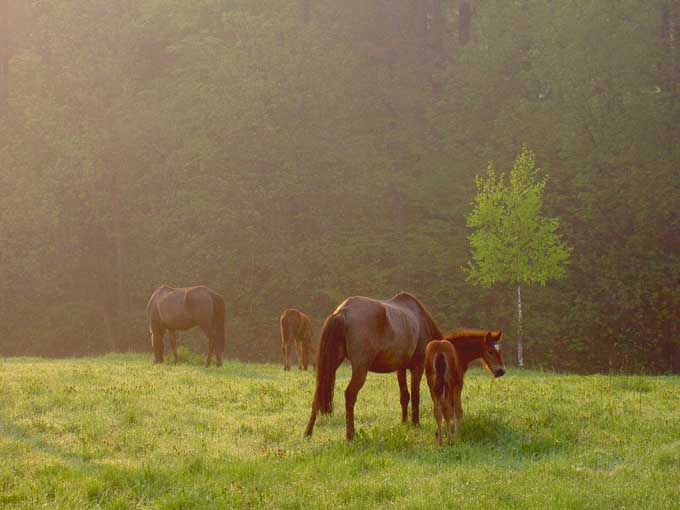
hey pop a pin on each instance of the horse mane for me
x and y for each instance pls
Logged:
(467, 340)
(469, 333)
(435, 332)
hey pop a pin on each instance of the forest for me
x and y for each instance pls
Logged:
(292, 153)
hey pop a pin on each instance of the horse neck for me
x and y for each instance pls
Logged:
(467, 354)
(435, 332)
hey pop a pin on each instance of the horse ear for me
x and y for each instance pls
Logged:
(493, 337)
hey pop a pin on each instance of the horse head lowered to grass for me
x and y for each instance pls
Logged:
(171, 309)
(446, 362)
(296, 334)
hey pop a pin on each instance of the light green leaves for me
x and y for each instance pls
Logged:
(512, 241)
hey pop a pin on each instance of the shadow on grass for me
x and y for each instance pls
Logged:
(483, 438)
(193, 481)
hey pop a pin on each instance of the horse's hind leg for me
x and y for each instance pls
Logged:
(437, 411)
(211, 349)
(300, 355)
(173, 343)
(416, 375)
(210, 334)
(404, 397)
(355, 384)
(447, 406)
(284, 353)
(157, 344)
(284, 346)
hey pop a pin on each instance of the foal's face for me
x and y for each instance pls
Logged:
(491, 353)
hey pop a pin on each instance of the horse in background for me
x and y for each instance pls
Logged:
(296, 333)
(171, 309)
(376, 336)
(447, 361)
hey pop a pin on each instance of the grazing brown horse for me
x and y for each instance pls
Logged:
(446, 362)
(376, 336)
(296, 330)
(171, 309)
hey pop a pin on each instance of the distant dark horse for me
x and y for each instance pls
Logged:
(376, 336)
(172, 309)
(296, 333)
(446, 362)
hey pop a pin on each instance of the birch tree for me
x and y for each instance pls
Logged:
(512, 241)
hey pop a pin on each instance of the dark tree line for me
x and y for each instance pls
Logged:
(292, 154)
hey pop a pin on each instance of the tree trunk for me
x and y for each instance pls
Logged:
(464, 21)
(520, 332)
(437, 29)
(305, 11)
(4, 55)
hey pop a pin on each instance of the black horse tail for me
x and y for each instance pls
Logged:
(441, 366)
(329, 355)
(218, 322)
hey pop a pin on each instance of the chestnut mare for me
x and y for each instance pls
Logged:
(296, 332)
(170, 309)
(446, 362)
(376, 336)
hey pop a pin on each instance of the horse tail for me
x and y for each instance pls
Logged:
(440, 369)
(282, 328)
(330, 353)
(219, 313)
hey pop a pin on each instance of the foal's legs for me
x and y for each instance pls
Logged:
(416, 375)
(437, 411)
(173, 342)
(457, 408)
(447, 408)
(404, 397)
(355, 384)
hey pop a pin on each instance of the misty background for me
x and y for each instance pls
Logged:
(294, 153)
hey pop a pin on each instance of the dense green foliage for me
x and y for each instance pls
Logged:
(119, 433)
(512, 240)
(294, 153)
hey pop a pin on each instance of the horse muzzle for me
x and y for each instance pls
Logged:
(499, 372)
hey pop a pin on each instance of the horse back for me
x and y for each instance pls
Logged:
(380, 336)
(184, 307)
(294, 324)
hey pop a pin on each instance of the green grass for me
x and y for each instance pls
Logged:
(119, 433)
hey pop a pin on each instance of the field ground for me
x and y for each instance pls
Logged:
(118, 433)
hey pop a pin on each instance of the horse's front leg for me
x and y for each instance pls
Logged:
(355, 384)
(404, 397)
(416, 375)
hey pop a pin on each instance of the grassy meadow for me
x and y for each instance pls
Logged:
(116, 432)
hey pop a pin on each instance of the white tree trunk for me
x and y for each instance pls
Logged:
(520, 345)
